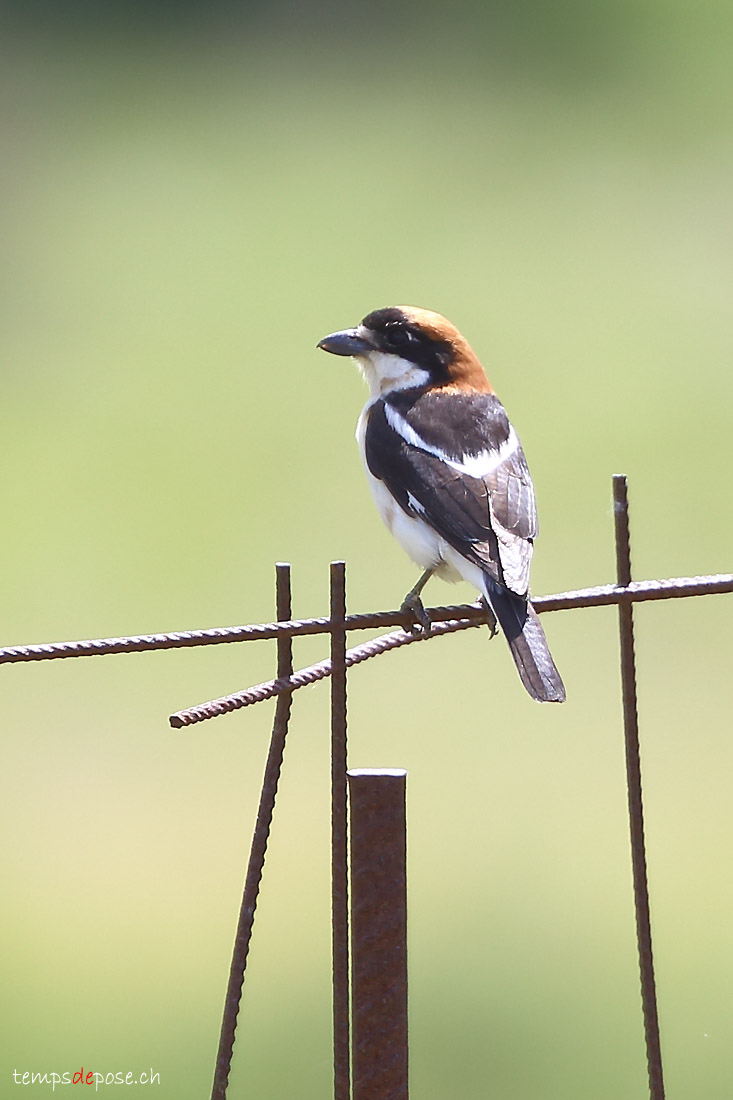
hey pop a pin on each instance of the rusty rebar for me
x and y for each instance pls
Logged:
(379, 933)
(635, 801)
(319, 671)
(243, 936)
(339, 836)
(603, 595)
(599, 596)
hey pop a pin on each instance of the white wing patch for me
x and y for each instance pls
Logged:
(516, 558)
(415, 504)
(472, 465)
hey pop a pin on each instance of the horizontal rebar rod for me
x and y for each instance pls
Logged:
(637, 592)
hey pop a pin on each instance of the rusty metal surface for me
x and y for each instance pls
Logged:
(339, 836)
(146, 643)
(379, 934)
(271, 688)
(636, 805)
(376, 1028)
(258, 849)
(600, 596)
(673, 588)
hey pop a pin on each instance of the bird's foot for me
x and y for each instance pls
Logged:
(414, 605)
(492, 624)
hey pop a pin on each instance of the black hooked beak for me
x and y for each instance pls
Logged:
(347, 342)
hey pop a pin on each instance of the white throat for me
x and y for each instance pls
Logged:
(385, 373)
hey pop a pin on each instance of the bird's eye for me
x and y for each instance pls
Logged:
(401, 337)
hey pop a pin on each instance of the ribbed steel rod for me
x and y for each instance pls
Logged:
(322, 669)
(147, 643)
(243, 936)
(636, 806)
(600, 596)
(339, 837)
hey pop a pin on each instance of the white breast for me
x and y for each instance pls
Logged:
(416, 537)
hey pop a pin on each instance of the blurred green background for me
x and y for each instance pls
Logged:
(192, 196)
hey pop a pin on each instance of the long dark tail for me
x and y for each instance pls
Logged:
(527, 642)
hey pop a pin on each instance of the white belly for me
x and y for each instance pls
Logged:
(416, 538)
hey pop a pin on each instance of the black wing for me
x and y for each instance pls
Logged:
(454, 460)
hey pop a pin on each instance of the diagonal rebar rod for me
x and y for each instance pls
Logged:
(599, 596)
(243, 936)
(636, 805)
(311, 675)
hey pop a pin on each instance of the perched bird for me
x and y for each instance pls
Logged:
(448, 474)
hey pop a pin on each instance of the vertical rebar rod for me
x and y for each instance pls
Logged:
(633, 780)
(258, 849)
(379, 933)
(339, 837)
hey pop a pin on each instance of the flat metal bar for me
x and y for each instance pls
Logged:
(600, 596)
(243, 936)
(339, 837)
(636, 806)
(257, 694)
(379, 934)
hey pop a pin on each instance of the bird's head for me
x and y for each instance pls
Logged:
(404, 347)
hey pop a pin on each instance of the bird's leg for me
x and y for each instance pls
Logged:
(413, 603)
(493, 628)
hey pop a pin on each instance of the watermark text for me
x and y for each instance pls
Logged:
(84, 1076)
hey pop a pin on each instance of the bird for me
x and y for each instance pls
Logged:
(448, 474)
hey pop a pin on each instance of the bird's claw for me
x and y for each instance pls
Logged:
(491, 623)
(413, 605)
